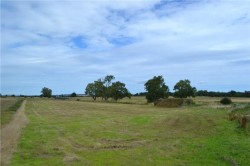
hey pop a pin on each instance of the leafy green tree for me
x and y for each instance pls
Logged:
(91, 90)
(107, 83)
(46, 92)
(118, 90)
(100, 88)
(108, 79)
(183, 89)
(156, 89)
(232, 93)
(106, 89)
(96, 89)
(73, 94)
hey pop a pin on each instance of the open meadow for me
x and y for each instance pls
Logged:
(70, 132)
(125, 83)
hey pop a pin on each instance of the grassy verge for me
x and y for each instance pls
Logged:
(242, 109)
(8, 109)
(88, 133)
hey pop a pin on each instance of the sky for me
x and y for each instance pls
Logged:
(64, 45)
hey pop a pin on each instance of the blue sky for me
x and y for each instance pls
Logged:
(64, 45)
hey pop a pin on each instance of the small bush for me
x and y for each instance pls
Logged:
(225, 101)
(77, 99)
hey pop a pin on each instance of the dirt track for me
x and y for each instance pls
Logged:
(10, 134)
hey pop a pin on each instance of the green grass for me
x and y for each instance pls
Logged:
(8, 108)
(96, 133)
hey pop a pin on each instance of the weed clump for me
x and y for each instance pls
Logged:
(225, 101)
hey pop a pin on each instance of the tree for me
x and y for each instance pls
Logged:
(100, 88)
(91, 90)
(46, 92)
(105, 88)
(73, 94)
(96, 89)
(118, 90)
(108, 79)
(232, 93)
(107, 83)
(183, 89)
(156, 89)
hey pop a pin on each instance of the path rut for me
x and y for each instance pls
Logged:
(10, 134)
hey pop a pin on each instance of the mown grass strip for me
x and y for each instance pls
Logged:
(6, 115)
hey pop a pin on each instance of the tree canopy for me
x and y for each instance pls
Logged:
(46, 92)
(100, 88)
(107, 83)
(91, 90)
(118, 90)
(183, 89)
(106, 89)
(156, 89)
(73, 94)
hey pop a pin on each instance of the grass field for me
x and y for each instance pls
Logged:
(8, 108)
(96, 133)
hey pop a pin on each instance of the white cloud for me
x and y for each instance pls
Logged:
(134, 40)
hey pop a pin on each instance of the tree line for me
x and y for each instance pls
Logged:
(231, 93)
(155, 87)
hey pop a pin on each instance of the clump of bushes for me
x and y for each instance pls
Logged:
(225, 101)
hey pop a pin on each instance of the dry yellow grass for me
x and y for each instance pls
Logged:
(216, 100)
(7, 102)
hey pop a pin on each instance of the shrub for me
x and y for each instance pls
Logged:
(73, 94)
(225, 101)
